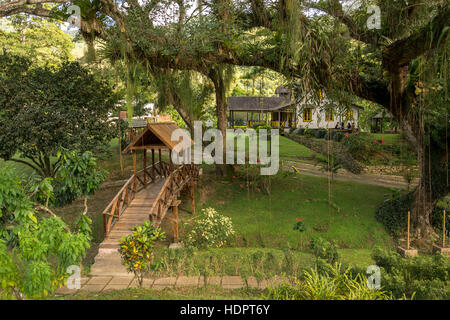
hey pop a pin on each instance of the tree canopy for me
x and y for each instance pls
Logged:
(316, 44)
(46, 109)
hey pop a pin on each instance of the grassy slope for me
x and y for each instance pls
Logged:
(267, 221)
(289, 150)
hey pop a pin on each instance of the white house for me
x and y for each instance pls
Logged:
(324, 113)
(282, 112)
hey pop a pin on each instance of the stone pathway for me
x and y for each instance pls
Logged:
(108, 283)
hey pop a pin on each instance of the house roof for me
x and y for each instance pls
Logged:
(257, 103)
(157, 136)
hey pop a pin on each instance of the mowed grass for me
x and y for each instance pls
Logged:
(267, 220)
(288, 149)
(389, 138)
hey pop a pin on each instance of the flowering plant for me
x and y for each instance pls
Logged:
(209, 229)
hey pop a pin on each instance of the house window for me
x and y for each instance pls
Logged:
(329, 116)
(307, 114)
(350, 115)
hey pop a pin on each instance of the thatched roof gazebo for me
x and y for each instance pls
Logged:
(156, 136)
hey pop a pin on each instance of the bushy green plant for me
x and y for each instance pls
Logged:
(323, 249)
(136, 250)
(35, 251)
(78, 176)
(338, 284)
(250, 175)
(393, 212)
(422, 277)
(360, 146)
(437, 216)
(320, 133)
(209, 229)
(338, 136)
(310, 133)
(299, 131)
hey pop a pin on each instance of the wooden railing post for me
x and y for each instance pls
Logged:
(145, 168)
(175, 223)
(134, 171)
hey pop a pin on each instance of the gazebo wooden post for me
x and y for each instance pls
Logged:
(134, 171)
(170, 161)
(160, 162)
(153, 163)
(145, 166)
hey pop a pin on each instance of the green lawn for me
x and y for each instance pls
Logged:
(389, 138)
(267, 221)
(289, 150)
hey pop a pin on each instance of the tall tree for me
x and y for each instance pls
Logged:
(43, 110)
(318, 44)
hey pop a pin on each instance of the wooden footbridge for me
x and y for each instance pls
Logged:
(151, 193)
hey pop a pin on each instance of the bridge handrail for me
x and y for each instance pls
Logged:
(126, 194)
(173, 184)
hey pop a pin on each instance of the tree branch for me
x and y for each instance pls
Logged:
(39, 170)
(401, 52)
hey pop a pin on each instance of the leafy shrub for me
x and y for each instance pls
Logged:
(299, 131)
(292, 129)
(337, 285)
(323, 249)
(250, 175)
(422, 277)
(266, 127)
(360, 146)
(338, 136)
(77, 176)
(310, 133)
(209, 229)
(437, 216)
(35, 251)
(320, 133)
(136, 250)
(328, 135)
(393, 212)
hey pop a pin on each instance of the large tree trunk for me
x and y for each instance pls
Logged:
(216, 77)
(432, 159)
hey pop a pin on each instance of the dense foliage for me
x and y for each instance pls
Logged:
(209, 230)
(137, 248)
(42, 41)
(338, 284)
(77, 176)
(35, 251)
(46, 109)
(423, 277)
